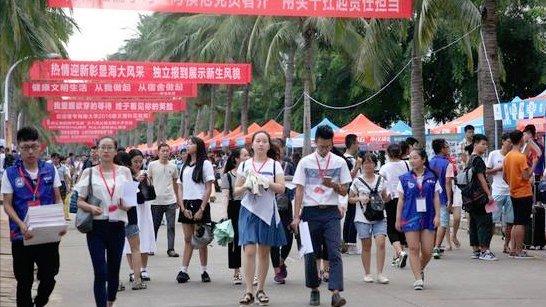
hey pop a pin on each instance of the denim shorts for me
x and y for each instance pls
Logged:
(444, 217)
(505, 214)
(366, 231)
(131, 231)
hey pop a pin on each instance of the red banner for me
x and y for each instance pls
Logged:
(317, 8)
(64, 139)
(63, 106)
(89, 132)
(88, 124)
(200, 73)
(109, 89)
(102, 116)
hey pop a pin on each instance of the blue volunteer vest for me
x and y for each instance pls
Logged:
(22, 195)
(439, 165)
(412, 192)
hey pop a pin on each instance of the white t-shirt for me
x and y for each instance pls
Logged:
(162, 176)
(123, 175)
(308, 175)
(392, 171)
(360, 189)
(499, 186)
(8, 189)
(192, 190)
(264, 205)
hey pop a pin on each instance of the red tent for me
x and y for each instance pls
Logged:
(539, 122)
(457, 124)
(240, 139)
(274, 129)
(368, 133)
(217, 142)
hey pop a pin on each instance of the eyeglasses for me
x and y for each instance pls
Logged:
(34, 147)
(107, 148)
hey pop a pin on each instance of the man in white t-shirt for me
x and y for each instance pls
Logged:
(501, 190)
(163, 175)
(31, 182)
(320, 179)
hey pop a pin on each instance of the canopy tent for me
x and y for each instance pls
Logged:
(369, 135)
(274, 129)
(401, 128)
(539, 122)
(238, 140)
(297, 141)
(475, 118)
(513, 112)
(218, 141)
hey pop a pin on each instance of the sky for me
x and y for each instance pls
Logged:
(102, 32)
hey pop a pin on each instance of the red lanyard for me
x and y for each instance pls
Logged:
(34, 190)
(111, 192)
(260, 169)
(322, 172)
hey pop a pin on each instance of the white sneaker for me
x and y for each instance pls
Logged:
(418, 284)
(488, 256)
(382, 279)
(368, 278)
(237, 279)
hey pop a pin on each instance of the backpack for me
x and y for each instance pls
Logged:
(472, 194)
(376, 206)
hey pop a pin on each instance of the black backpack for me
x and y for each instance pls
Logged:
(376, 206)
(473, 196)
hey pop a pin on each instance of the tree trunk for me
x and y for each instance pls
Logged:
(308, 36)
(161, 127)
(417, 100)
(229, 103)
(244, 109)
(488, 59)
(212, 113)
(150, 134)
(186, 132)
(181, 131)
(197, 124)
(288, 93)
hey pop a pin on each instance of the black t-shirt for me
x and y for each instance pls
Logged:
(478, 167)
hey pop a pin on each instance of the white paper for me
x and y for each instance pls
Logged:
(289, 185)
(305, 237)
(421, 204)
(45, 234)
(130, 190)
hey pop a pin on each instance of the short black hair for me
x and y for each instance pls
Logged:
(469, 127)
(505, 136)
(404, 147)
(350, 139)
(324, 132)
(478, 138)
(516, 136)
(94, 147)
(27, 134)
(438, 145)
(531, 129)
(55, 155)
(410, 141)
(394, 151)
(161, 145)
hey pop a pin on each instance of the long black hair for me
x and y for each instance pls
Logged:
(200, 158)
(134, 153)
(122, 158)
(231, 162)
(423, 154)
(272, 152)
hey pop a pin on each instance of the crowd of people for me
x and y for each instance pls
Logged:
(403, 196)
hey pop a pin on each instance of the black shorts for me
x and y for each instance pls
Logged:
(194, 205)
(522, 210)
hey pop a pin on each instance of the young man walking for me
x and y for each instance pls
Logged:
(441, 165)
(518, 174)
(163, 175)
(31, 182)
(500, 189)
(320, 179)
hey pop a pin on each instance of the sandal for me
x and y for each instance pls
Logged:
(139, 286)
(262, 298)
(247, 299)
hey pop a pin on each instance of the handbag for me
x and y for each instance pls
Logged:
(147, 190)
(84, 219)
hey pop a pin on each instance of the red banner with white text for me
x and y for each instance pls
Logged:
(64, 139)
(314, 8)
(65, 106)
(200, 73)
(88, 124)
(108, 89)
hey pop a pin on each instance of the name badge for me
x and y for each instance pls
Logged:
(112, 208)
(33, 203)
(421, 204)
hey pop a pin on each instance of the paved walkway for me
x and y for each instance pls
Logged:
(455, 280)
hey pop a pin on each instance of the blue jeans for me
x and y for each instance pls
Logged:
(105, 245)
(324, 227)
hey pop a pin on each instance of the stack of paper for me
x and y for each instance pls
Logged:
(45, 224)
